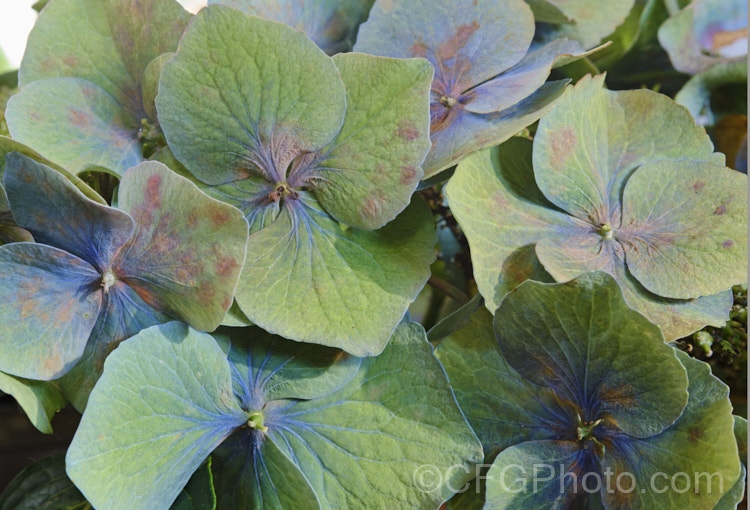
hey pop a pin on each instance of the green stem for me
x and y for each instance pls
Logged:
(449, 290)
(591, 66)
(432, 315)
(672, 7)
(255, 421)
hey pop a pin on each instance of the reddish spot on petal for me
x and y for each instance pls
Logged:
(695, 433)
(65, 313)
(226, 266)
(79, 118)
(407, 130)
(621, 397)
(27, 308)
(562, 143)
(53, 364)
(448, 49)
(89, 91)
(151, 202)
(418, 49)
(220, 216)
(206, 294)
(371, 208)
(720, 210)
(408, 174)
(152, 190)
(146, 295)
(192, 219)
(71, 61)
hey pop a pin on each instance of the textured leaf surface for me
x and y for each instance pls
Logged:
(262, 91)
(43, 486)
(581, 340)
(50, 305)
(523, 79)
(359, 446)
(39, 400)
(698, 443)
(548, 12)
(309, 278)
(740, 434)
(592, 20)
(499, 184)
(486, 81)
(372, 167)
(690, 217)
(143, 446)
(252, 472)
(75, 123)
(169, 396)
(676, 317)
(123, 314)
(510, 485)
(573, 355)
(184, 258)
(501, 406)
(331, 24)
(272, 136)
(150, 85)
(469, 132)
(587, 147)
(247, 479)
(459, 38)
(8, 145)
(101, 49)
(102, 42)
(266, 367)
(55, 212)
(736, 494)
(706, 33)
(584, 154)
(235, 318)
(187, 253)
(53, 290)
(454, 321)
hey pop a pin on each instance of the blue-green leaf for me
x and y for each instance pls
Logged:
(612, 188)
(162, 406)
(488, 79)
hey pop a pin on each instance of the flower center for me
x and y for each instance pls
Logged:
(447, 101)
(255, 421)
(585, 432)
(282, 190)
(585, 429)
(605, 230)
(108, 279)
(151, 138)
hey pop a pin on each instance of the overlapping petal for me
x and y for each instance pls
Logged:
(488, 81)
(629, 196)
